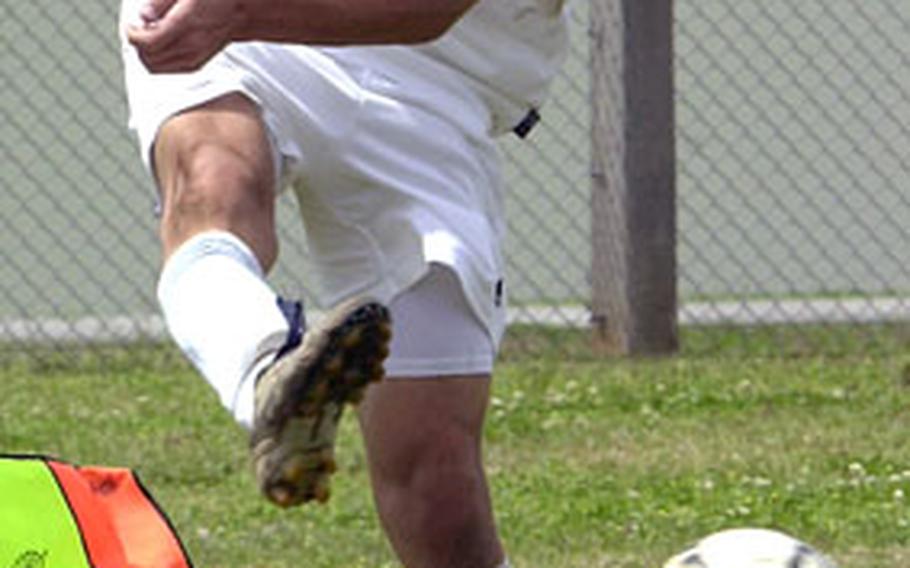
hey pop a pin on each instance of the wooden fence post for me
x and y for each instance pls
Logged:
(633, 195)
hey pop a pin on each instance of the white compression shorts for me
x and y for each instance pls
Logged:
(393, 164)
(436, 332)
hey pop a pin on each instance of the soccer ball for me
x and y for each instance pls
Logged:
(750, 548)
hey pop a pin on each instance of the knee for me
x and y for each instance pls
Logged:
(439, 474)
(425, 462)
(211, 182)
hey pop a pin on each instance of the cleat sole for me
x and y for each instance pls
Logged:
(294, 431)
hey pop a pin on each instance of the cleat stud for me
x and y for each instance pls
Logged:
(293, 471)
(353, 338)
(334, 365)
(281, 496)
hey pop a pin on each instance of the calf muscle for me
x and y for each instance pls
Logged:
(215, 171)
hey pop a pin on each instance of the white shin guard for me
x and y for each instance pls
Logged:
(221, 312)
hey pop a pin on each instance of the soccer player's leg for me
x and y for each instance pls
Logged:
(215, 169)
(423, 426)
(215, 173)
(423, 438)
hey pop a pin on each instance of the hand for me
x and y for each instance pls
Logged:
(179, 36)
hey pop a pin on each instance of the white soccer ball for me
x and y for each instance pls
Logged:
(750, 548)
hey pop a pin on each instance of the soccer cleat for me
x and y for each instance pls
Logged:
(301, 396)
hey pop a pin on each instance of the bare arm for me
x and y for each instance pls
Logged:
(353, 21)
(181, 35)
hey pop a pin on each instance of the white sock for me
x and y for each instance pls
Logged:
(222, 314)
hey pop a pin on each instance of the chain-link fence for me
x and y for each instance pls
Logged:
(793, 150)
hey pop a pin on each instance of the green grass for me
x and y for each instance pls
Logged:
(593, 463)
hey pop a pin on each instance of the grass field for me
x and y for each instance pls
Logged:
(593, 463)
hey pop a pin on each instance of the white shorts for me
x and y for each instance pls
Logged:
(390, 154)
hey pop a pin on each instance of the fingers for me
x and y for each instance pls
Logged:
(153, 10)
(181, 35)
(166, 42)
(180, 59)
(159, 29)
